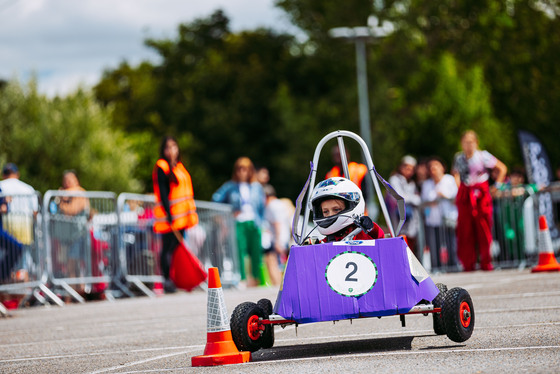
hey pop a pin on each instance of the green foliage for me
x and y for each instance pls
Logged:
(459, 101)
(257, 93)
(46, 136)
(450, 65)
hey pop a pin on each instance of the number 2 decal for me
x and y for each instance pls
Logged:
(348, 277)
(351, 273)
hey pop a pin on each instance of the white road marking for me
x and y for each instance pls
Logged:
(192, 348)
(102, 353)
(517, 295)
(138, 362)
(373, 354)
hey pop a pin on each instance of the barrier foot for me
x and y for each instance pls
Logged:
(51, 295)
(141, 286)
(72, 292)
(3, 310)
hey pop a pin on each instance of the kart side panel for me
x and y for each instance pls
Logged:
(306, 296)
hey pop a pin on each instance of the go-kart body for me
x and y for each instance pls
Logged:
(351, 278)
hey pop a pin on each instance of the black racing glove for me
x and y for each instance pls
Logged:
(366, 223)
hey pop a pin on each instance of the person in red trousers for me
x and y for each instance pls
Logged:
(471, 169)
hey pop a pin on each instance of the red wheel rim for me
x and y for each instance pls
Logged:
(465, 314)
(253, 329)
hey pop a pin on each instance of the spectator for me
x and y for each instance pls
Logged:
(246, 196)
(19, 219)
(357, 171)
(403, 183)
(23, 205)
(10, 249)
(440, 214)
(74, 206)
(275, 234)
(509, 206)
(175, 209)
(263, 175)
(474, 202)
(421, 173)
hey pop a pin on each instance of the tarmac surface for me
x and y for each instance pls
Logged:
(517, 329)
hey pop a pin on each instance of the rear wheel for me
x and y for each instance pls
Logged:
(268, 334)
(246, 328)
(458, 314)
(439, 325)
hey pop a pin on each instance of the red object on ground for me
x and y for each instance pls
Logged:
(186, 270)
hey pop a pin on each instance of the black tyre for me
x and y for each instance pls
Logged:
(458, 314)
(268, 334)
(246, 329)
(439, 325)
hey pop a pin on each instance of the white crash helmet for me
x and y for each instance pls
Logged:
(340, 188)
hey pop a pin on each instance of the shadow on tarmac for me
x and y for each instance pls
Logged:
(333, 348)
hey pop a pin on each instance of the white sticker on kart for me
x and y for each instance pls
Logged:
(356, 242)
(351, 274)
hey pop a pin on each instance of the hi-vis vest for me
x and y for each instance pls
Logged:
(357, 173)
(181, 200)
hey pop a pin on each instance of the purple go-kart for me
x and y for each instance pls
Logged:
(351, 278)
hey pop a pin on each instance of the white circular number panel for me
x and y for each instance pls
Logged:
(351, 273)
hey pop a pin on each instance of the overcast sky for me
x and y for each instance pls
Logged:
(70, 42)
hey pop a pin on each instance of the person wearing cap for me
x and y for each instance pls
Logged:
(22, 204)
(403, 182)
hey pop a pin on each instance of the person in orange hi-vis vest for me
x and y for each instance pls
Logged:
(175, 209)
(357, 171)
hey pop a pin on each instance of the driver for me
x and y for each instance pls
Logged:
(338, 209)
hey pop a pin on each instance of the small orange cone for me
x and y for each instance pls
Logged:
(547, 261)
(220, 348)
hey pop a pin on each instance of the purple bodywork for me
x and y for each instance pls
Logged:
(306, 296)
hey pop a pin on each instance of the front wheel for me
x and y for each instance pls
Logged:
(246, 328)
(439, 325)
(458, 314)
(268, 333)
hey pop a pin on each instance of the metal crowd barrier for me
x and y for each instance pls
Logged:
(22, 255)
(81, 245)
(139, 247)
(514, 231)
(212, 241)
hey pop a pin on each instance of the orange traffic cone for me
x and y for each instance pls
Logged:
(547, 261)
(220, 348)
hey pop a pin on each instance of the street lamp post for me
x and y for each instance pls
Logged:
(360, 36)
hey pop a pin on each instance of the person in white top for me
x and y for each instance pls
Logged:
(275, 234)
(403, 183)
(23, 205)
(440, 214)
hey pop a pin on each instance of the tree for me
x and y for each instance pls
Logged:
(254, 93)
(46, 136)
